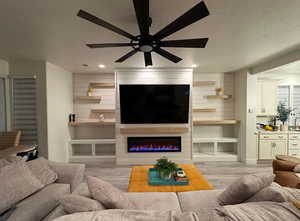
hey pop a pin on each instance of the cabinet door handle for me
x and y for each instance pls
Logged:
(294, 144)
(280, 136)
(266, 136)
(273, 145)
(295, 137)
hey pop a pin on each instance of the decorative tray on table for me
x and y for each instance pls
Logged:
(155, 180)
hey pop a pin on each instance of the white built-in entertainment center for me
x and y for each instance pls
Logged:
(210, 135)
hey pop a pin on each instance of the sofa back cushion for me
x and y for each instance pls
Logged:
(244, 188)
(40, 168)
(108, 195)
(17, 182)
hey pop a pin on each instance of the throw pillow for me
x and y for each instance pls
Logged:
(73, 203)
(244, 188)
(297, 204)
(108, 195)
(17, 182)
(274, 193)
(40, 168)
(297, 168)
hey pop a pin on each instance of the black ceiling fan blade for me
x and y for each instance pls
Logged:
(108, 45)
(168, 55)
(142, 15)
(196, 13)
(126, 56)
(185, 43)
(148, 59)
(87, 16)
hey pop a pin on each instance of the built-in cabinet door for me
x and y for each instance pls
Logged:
(268, 149)
(265, 152)
(279, 147)
(267, 97)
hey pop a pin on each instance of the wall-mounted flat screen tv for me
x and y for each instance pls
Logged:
(154, 104)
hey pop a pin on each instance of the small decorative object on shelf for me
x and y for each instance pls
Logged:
(166, 168)
(283, 115)
(219, 91)
(71, 118)
(101, 117)
(89, 91)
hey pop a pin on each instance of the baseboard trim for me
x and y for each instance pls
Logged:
(251, 161)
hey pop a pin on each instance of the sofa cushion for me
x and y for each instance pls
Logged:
(83, 190)
(244, 188)
(195, 200)
(57, 212)
(40, 168)
(108, 195)
(40, 204)
(17, 182)
(73, 203)
(288, 158)
(154, 201)
(297, 168)
(274, 193)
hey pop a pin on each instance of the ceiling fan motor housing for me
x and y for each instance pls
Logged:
(145, 43)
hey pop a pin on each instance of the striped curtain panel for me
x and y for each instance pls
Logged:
(24, 109)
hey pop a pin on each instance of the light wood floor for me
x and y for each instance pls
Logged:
(219, 174)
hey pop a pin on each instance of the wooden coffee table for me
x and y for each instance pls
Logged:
(139, 181)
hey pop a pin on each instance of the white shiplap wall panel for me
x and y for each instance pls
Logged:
(82, 109)
(224, 110)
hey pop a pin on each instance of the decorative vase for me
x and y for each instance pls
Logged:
(165, 176)
(284, 127)
(89, 94)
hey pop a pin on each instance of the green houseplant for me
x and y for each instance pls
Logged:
(165, 168)
(283, 114)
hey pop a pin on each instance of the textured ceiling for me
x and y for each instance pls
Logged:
(241, 32)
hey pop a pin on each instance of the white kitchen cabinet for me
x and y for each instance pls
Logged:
(267, 97)
(271, 145)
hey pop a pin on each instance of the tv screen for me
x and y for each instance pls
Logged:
(154, 104)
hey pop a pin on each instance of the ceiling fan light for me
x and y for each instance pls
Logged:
(146, 48)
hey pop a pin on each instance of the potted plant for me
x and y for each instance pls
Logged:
(165, 168)
(283, 115)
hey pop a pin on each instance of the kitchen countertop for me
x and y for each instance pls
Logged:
(276, 132)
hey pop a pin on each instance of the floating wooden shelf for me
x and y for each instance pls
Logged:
(102, 85)
(154, 130)
(204, 109)
(215, 122)
(225, 97)
(203, 83)
(91, 123)
(89, 98)
(103, 110)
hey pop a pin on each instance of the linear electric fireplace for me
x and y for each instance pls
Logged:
(154, 144)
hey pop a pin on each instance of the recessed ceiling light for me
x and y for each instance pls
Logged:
(194, 65)
(101, 66)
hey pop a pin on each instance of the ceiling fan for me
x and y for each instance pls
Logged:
(147, 43)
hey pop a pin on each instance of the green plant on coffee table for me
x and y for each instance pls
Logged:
(165, 167)
(283, 112)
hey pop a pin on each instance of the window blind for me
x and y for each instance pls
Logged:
(24, 108)
(2, 105)
(283, 95)
(296, 100)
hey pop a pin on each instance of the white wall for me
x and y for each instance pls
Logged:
(59, 106)
(245, 108)
(4, 67)
(152, 76)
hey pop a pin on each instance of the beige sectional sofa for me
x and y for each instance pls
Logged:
(43, 204)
